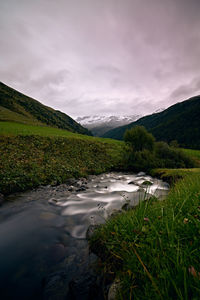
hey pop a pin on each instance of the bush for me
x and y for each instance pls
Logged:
(139, 138)
(144, 160)
(174, 144)
(150, 154)
(171, 157)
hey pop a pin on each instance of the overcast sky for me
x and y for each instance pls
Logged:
(88, 57)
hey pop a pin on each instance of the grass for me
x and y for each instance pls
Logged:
(35, 155)
(13, 129)
(172, 175)
(195, 154)
(7, 115)
(31, 155)
(154, 249)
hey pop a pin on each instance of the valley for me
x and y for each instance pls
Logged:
(59, 182)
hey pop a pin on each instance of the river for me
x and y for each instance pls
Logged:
(43, 246)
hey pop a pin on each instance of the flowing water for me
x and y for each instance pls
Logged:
(43, 244)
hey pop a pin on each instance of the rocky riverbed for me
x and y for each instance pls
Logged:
(44, 251)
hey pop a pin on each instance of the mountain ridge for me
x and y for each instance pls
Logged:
(180, 122)
(99, 124)
(16, 106)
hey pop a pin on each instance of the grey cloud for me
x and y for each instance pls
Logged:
(107, 70)
(183, 91)
(91, 56)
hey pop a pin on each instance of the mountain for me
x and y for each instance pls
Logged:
(101, 124)
(179, 122)
(17, 107)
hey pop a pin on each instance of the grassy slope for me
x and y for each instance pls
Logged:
(15, 106)
(13, 128)
(34, 155)
(155, 248)
(179, 122)
(7, 115)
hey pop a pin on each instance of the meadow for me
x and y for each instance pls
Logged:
(14, 128)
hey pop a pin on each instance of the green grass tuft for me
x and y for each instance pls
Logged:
(157, 245)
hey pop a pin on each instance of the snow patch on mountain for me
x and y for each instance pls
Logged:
(96, 119)
(99, 124)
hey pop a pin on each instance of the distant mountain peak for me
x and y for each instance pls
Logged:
(99, 124)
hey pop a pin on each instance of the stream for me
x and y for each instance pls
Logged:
(43, 248)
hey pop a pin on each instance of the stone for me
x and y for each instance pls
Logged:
(90, 231)
(53, 201)
(140, 174)
(112, 293)
(126, 206)
(86, 287)
(82, 188)
(55, 286)
(165, 185)
(71, 188)
(116, 212)
(84, 180)
(71, 181)
(78, 183)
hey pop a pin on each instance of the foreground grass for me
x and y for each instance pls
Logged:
(154, 249)
(27, 161)
(172, 175)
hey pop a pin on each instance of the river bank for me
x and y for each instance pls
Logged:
(151, 252)
(32, 160)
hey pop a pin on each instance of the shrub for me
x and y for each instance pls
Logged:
(161, 156)
(139, 138)
(171, 157)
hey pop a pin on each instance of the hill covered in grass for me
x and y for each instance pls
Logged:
(33, 155)
(17, 107)
(179, 122)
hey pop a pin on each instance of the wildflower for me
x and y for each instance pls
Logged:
(193, 272)
(185, 221)
(146, 219)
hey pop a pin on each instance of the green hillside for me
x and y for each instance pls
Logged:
(179, 122)
(33, 155)
(14, 106)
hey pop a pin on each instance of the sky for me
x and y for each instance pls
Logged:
(101, 57)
